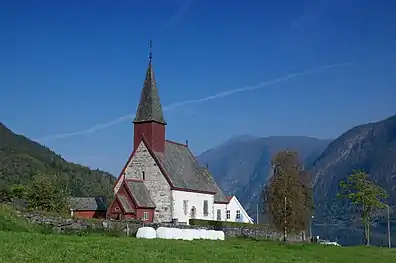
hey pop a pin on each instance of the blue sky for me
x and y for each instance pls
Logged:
(66, 66)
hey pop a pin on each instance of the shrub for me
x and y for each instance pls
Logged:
(219, 224)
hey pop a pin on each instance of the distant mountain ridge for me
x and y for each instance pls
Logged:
(241, 164)
(371, 147)
(22, 158)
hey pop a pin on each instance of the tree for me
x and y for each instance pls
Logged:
(289, 194)
(365, 195)
(47, 194)
(18, 191)
(5, 195)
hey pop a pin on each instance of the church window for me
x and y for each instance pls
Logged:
(228, 214)
(238, 214)
(143, 175)
(185, 207)
(205, 208)
(219, 214)
(145, 216)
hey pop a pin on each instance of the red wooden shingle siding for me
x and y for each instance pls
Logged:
(153, 132)
(115, 208)
(89, 214)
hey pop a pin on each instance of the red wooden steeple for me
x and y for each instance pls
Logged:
(149, 121)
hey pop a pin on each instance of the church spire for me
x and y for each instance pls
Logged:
(149, 109)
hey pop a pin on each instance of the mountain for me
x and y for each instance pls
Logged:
(21, 159)
(241, 165)
(371, 147)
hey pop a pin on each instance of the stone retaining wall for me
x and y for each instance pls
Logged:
(129, 228)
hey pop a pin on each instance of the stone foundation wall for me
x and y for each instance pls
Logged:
(129, 228)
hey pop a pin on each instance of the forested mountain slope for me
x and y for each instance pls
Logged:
(21, 159)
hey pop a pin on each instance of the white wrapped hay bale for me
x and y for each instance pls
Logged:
(146, 232)
(219, 235)
(176, 233)
(211, 234)
(196, 233)
(203, 234)
(169, 233)
(187, 234)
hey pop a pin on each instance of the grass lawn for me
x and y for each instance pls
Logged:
(9, 221)
(21, 247)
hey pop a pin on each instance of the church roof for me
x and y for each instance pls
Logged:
(125, 203)
(185, 172)
(140, 193)
(149, 108)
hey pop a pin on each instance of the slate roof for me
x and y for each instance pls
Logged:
(185, 172)
(149, 108)
(125, 204)
(140, 193)
(87, 204)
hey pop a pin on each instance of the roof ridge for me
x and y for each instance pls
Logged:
(177, 143)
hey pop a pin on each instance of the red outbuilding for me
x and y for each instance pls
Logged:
(88, 207)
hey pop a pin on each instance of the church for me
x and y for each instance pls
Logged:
(162, 181)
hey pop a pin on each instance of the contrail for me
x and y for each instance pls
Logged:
(212, 97)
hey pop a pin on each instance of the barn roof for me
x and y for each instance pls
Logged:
(185, 172)
(140, 193)
(87, 204)
(149, 108)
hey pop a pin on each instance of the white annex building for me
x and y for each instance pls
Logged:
(235, 211)
(162, 181)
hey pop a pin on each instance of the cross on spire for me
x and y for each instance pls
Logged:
(150, 51)
(149, 108)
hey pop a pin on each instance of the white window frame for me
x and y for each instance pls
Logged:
(145, 216)
(206, 205)
(238, 214)
(218, 215)
(228, 214)
(185, 207)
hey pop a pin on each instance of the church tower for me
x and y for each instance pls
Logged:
(149, 121)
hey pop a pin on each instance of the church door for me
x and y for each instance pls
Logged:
(218, 214)
(193, 212)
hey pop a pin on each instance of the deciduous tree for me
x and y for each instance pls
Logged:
(288, 194)
(18, 191)
(365, 195)
(47, 194)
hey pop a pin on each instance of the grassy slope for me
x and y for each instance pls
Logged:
(9, 221)
(34, 247)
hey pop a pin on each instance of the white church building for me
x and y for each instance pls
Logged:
(162, 181)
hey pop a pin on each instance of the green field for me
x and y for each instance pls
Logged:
(22, 242)
(34, 247)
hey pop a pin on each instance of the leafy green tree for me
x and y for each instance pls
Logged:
(365, 195)
(47, 194)
(288, 194)
(5, 194)
(18, 191)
